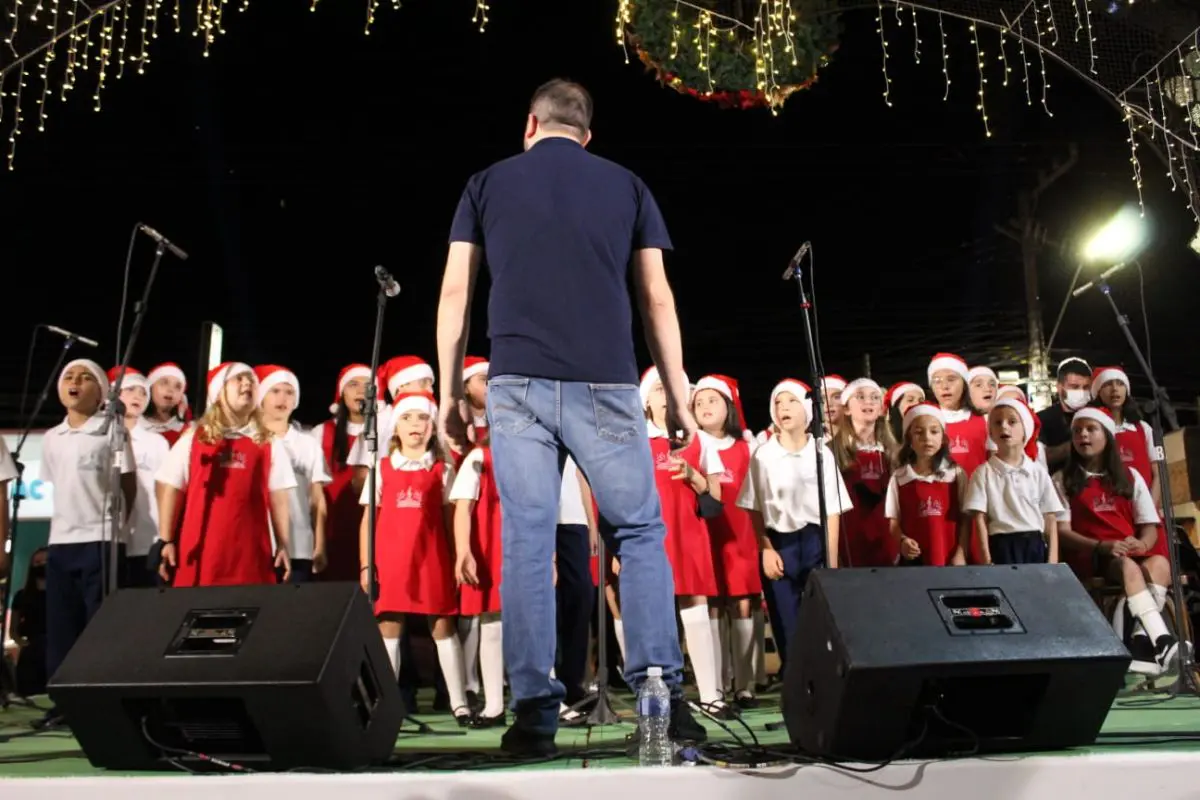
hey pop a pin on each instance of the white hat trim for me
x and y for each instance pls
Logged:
(858, 383)
(158, 373)
(922, 410)
(1110, 374)
(409, 374)
(717, 385)
(475, 369)
(1022, 411)
(276, 378)
(955, 365)
(225, 376)
(1097, 415)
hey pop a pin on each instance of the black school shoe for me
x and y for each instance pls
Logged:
(523, 741)
(684, 729)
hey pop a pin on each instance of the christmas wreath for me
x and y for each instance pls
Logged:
(736, 53)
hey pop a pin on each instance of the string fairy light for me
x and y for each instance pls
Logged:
(312, 6)
(1091, 39)
(18, 117)
(372, 5)
(1004, 57)
(72, 53)
(1052, 27)
(916, 38)
(143, 58)
(480, 17)
(1183, 70)
(887, 80)
(624, 19)
(1133, 157)
(674, 54)
(123, 10)
(981, 106)
(1037, 27)
(104, 49)
(1024, 62)
(945, 56)
(1162, 100)
(15, 14)
(177, 15)
(50, 54)
(1078, 19)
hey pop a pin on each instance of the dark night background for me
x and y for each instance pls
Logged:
(301, 154)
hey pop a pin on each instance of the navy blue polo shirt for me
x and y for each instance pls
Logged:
(558, 226)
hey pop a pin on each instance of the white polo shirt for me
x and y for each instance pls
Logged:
(176, 468)
(308, 464)
(355, 429)
(78, 463)
(1144, 510)
(1014, 499)
(8, 467)
(150, 450)
(571, 510)
(782, 486)
(466, 482)
(404, 464)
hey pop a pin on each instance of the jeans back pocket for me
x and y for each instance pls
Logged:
(617, 408)
(508, 411)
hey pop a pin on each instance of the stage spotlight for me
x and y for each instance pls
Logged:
(1119, 240)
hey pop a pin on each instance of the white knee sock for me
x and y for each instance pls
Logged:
(491, 666)
(726, 661)
(1160, 599)
(619, 632)
(468, 634)
(450, 657)
(742, 633)
(1142, 606)
(714, 626)
(393, 650)
(760, 647)
(697, 633)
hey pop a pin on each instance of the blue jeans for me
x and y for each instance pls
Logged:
(534, 424)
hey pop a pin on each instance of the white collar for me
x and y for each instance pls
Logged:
(907, 474)
(1025, 467)
(400, 461)
(92, 425)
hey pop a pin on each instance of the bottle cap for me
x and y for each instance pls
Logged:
(653, 672)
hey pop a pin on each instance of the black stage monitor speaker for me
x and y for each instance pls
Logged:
(268, 677)
(930, 661)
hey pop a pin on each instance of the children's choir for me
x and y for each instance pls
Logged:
(243, 495)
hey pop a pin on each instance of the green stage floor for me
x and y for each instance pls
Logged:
(1152, 722)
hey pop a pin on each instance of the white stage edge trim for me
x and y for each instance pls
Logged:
(1119, 776)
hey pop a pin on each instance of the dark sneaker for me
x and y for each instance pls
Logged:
(521, 742)
(1166, 652)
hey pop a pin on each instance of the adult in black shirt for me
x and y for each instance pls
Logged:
(1074, 392)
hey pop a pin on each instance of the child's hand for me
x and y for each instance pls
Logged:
(772, 564)
(909, 548)
(284, 563)
(364, 580)
(680, 469)
(958, 558)
(554, 565)
(320, 561)
(1120, 549)
(464, 570)
(1136, 546)
(615, 566)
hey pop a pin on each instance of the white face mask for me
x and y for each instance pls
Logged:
(1075, 399)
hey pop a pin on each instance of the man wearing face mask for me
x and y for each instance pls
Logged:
(1074, 393)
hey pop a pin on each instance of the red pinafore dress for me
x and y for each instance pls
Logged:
(929, 515)
(1134, 447)
(687, 543)
(968, 447)
(864, 537)
(225, 538)
(413, 558)
(485, 546)
(1101, 515)
(343, 513)
(734, 544)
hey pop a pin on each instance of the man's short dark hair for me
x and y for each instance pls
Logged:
(563, 105)
(1073, 366)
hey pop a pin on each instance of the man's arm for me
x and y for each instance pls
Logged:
(454, 313)
(656, 303)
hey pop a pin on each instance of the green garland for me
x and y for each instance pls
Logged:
(666, 44)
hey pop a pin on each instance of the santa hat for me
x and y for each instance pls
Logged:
(269, 375)
(649, 378)
(92, 367)
(858, 383)
(403, 369)
(168, 369)
(976, 372)
(1013, 391)
(132, 380)
(349, 373)
(1024, 413)
(221, 374)
(833, 384)
(727, 387)
(948, 362)
(472, 366)
(1100, 415)
(799, 389)
(922, 410)
(409, 401)
(900, 389)
(1102, 375)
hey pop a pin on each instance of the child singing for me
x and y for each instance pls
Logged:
(76, 459)
(717, 408)
(863, 445)
(235, 484)
(924, 494)
(1012, 494)
(149, 451)
(966, 428)
(899, 399)
(477, 571)
(336, 437)
(1135, 440)
(1110, 528)
(167, 412)
(682, 476)
(278, 396)
(414, 556)
(982, 386)
(781, 493)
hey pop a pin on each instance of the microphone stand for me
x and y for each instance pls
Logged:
(1186, 681)
(371, 437)
(8, 682)
(114, 426)
(602, 712)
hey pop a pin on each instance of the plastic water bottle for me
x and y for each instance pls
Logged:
(654, 718)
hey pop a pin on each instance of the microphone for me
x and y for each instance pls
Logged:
(1103, 277)
(72, 336)
(387, 284)
(790, 272)
(164, 241)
